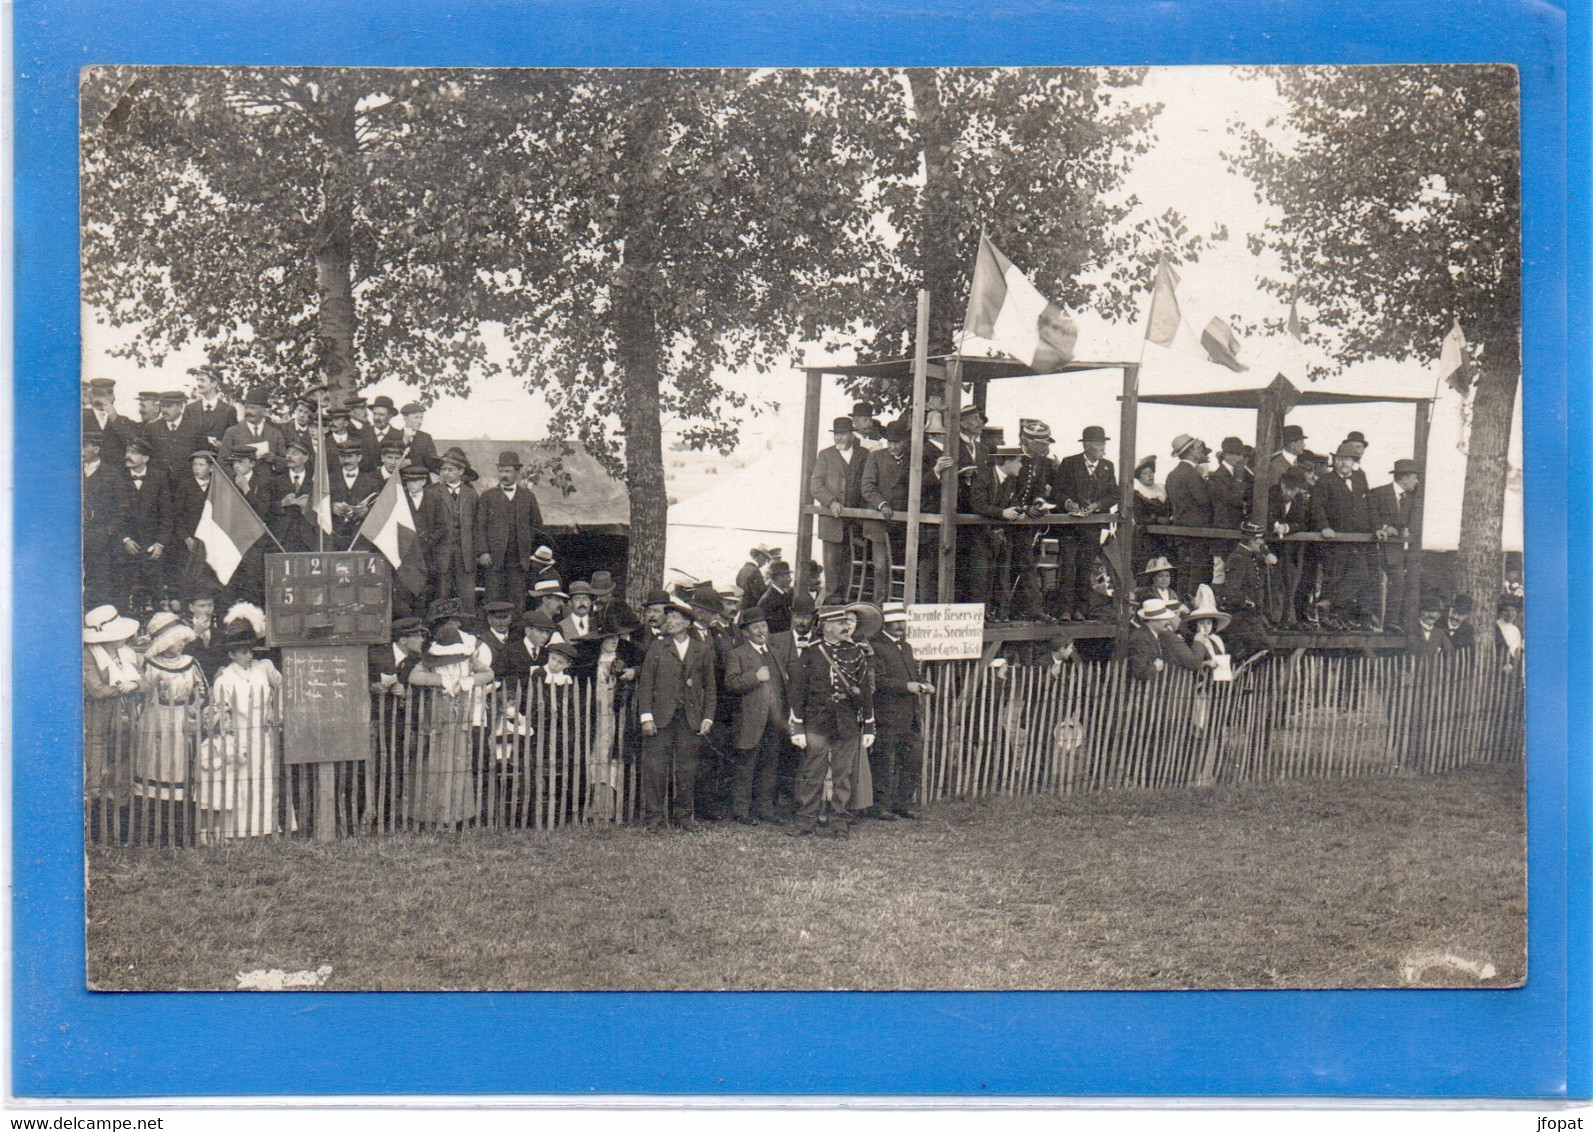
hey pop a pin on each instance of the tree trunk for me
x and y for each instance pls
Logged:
(639, 347)
(938, 252)
(1487, 470)
(334, 278)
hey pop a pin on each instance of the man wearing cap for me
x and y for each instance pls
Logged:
(885, 489)
(837, 482)
(260, 490)
(1289, 455)
(101, 416)
(832, 713)
(1244, 590)
(756, 675)
(749, 579)
(104, 506)
(501, 635)
(422, 449)
(447, 529)
(256, 432)
(676, 697)
(896, 759)
(508, 530)
(1086, 485)
(353, 490)
(145, 529)
(1189, 505)
(1153, 644)
(1339, 506)
(291, 518)
(1230, 502)
(148, 412)
(176, 435)
(299, 424)
(188, 506)
(1393, 508)
(214, 413)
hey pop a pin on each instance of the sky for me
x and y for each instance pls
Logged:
(1185, 170)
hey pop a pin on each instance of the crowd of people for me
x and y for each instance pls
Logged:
(1356, 575)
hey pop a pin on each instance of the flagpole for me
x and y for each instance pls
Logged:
(320, 457)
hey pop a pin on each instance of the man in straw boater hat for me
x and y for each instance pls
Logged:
(836, 483)
(447, 529)
(508, 531)
(1339, 506)
(1393, 508)
(756, 676)
(897, 756)
(1189, 505)
(1086, 485)
(1153, 643)
(832, 720)
(676, 696)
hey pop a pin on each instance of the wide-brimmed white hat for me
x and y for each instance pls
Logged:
(1206, 609)
(1156, 566)
(102, 625)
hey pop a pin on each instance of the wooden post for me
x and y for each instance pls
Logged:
(1128, 423)
(1413, 549)
(948, 483)
(810, 456)
(1269, 432)
(915, 454)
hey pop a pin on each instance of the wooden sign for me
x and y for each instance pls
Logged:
(326, 704)
(954, 631)
(336, 597)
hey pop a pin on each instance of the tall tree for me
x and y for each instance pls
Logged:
(1398, 190)
(301, 225)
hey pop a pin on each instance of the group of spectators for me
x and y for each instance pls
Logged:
(145, 483)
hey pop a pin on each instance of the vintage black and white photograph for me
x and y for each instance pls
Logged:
(836, 529)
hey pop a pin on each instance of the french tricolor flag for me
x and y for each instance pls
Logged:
(1004, 308)
(1172, 327)
(390, 526)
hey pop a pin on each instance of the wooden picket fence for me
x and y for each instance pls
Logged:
(548, 757)
(1025, 730)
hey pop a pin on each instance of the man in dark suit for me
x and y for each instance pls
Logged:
(775, 604)
(1289, 455)
(447, 529)
(1339, 506)
(353, 491)
(1393, 506)
(101, 416)
(300, 425)
(749, 579)
(757, 676)
(1189, 504)
(508, 530)
(291, 519)
(837, 482)
(261, 490)
(501, 636)
(967, 454)
(984, 575)
(676, 698)
(422, 449)
(104, 506)
(1086, 485)
(383, 425)
(1244, 590)
(176, 435)
(885, 487)
(896, 758)
(1153, 642)
(1230, 497)
(214, 413)
(1429, 638)
(145, 532)
(257, 433)
(188, 505)
(832, 714)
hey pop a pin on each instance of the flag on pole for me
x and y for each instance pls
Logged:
(390, 526)
(227, 526)
(1169, 327)
(1454, 360)
(321, 489)
(1004, 308)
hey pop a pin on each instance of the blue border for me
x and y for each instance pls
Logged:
(1377, 1044)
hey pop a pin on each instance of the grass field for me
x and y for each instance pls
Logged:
(1340, 883)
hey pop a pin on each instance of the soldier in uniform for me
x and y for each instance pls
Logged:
(832, 718)
(1086, 485)
(1244, 590)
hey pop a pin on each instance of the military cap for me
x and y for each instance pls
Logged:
(102, 384)
(414, 472)
(172, 397)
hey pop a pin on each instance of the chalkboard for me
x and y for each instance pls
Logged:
(336, 597)
(326, 704)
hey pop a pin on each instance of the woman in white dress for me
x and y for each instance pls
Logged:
(1217, 667)
(112, 692)
(237, 783)
(168, 728)
(454, 674)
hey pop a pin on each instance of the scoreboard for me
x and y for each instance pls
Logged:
(330, 598)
